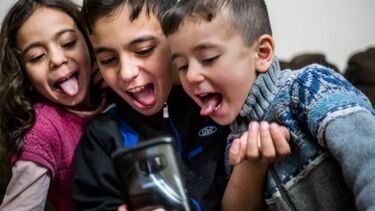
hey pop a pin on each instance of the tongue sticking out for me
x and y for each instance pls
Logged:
(209, 104)
(146, 96)
(70, 86)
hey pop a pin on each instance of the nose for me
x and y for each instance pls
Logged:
(194, 73)
(57, 58)
(129, 70)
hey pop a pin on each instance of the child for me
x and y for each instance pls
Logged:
(134, 59)
(45, 76)
(224, 52)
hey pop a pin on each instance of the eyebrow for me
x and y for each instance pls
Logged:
(38, 44)
(136, 41)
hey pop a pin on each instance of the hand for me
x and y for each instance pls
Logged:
(124, 208)
(264, 142)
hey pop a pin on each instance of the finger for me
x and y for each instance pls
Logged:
(280, 136)
(252, 149)
(234, 152)
(282, 129)
(122, 208)
(243, 145)
(268, 152)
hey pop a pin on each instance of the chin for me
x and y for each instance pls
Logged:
(225, 120)
(148, 111)
(221, 121)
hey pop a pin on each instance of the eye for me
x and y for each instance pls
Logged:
(145, 51)
(210, 60)
(181, 63)
(107, 60)
(69, 44)
(182, 67)
(36, 58)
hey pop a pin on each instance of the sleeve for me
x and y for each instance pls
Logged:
(95, 183)
(28, 187)
(42, 144)
(320, 95)
(351, 139)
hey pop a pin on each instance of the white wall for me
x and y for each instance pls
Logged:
(336, 28)
(4, 6)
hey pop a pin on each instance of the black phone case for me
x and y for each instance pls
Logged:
(151, 176)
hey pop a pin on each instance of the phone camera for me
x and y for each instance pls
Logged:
(152, 165)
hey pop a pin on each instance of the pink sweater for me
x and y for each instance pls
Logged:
(51, 143)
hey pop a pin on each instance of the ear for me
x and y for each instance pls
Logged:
(265, 47)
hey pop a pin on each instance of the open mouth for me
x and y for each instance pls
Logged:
(211, 102)
(144, 95)
(68, 84)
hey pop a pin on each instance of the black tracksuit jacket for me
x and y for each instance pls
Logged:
(200, 143)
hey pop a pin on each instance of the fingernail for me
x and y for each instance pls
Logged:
(253, 126)
(264, 125)
(235, 145)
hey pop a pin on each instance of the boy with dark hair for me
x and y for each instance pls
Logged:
(224, 52)
(134, 59)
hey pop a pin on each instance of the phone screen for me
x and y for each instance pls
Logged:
(151, 176)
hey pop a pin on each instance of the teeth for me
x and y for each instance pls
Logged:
(67, 78)
(217, 107)
(136, 89)
(63, 80)
(203, 95)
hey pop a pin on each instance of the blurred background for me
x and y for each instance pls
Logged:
(334, 28)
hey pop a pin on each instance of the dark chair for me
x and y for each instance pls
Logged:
(305, 59)
(361, 72)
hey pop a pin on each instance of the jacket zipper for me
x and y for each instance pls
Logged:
(166, 115)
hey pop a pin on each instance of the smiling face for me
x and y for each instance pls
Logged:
(134, 59)
(216, 69)
(55, 56)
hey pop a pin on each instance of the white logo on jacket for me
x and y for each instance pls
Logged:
(206, 131)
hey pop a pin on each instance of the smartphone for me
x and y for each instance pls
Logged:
(151, 176)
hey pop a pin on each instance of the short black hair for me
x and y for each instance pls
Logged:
(248, 17)
(94, 9)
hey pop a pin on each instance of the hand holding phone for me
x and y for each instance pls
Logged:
(151, 176)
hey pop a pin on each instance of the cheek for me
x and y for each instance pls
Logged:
(182, 77)
(35, 75)
(238, 74)
(162, 67)
(83, 57)
(108, 76)
(184, 83)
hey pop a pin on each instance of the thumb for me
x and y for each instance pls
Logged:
(235, 152)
